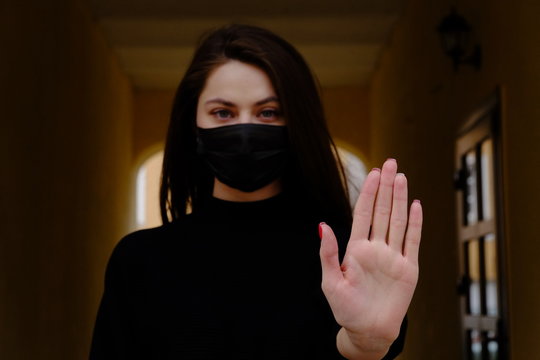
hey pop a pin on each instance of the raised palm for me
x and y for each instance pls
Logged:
(369, 293)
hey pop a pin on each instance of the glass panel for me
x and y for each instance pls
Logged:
(486, 164)
(474, 276)
(476, 345)
(470, 193)
(490, 253)
(492, 346)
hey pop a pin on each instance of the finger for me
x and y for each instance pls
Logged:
(331, 271)
(414, 232)
(363, 210)
(383, 203)
(398, 218)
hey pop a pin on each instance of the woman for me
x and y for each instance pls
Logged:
(249, 174)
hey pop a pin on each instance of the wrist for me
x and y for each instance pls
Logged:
(355, 346)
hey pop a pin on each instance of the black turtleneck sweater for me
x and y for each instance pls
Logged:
(233, 281)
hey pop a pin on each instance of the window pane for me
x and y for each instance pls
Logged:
(492, 346)
(474, 276)
(490, 253)
(471, 199)
(486, 165)
(476, 345)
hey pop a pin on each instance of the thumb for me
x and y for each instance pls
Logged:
(331, 271)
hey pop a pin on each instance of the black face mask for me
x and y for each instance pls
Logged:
(245, 156)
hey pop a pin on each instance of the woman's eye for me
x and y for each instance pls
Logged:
(223, 114)
(269, 114)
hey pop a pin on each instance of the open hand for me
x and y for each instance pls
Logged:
(369, 293)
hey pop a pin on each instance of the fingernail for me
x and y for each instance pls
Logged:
(376, 169)
(400, 174)
(391, 159)
(320, 229)
(417, 201)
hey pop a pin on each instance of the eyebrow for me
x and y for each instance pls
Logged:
(228, 103)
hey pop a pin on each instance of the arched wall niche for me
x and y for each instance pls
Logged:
(148, 177)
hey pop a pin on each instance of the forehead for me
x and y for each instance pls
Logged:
(237, 81)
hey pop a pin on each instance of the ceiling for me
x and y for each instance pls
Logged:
(154, 39)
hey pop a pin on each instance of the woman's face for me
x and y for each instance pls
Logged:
(238, 93)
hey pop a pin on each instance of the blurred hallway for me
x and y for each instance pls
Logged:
(86, 89)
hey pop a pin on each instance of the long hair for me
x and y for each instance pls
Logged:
(314, 175)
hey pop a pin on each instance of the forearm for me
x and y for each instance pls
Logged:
(358, 347)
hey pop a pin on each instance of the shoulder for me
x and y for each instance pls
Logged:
(137, 247)
(141, 240)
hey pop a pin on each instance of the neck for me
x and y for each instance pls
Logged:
(225, 192)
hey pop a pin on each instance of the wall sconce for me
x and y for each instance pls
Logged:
(455, 33)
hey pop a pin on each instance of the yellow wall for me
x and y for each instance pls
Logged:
(347, 113)
(152, 110)
(65, 146)
(417, 104)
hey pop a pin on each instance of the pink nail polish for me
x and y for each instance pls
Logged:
(391, 159)
(417, 201)
(320, 229)
(376, 169)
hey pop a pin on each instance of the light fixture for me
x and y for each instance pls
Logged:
(455, 33)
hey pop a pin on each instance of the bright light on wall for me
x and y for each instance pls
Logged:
(148, 180)
(141, 196)
(355, 172)
(147, 202)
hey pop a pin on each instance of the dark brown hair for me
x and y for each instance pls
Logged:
(314, 175)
